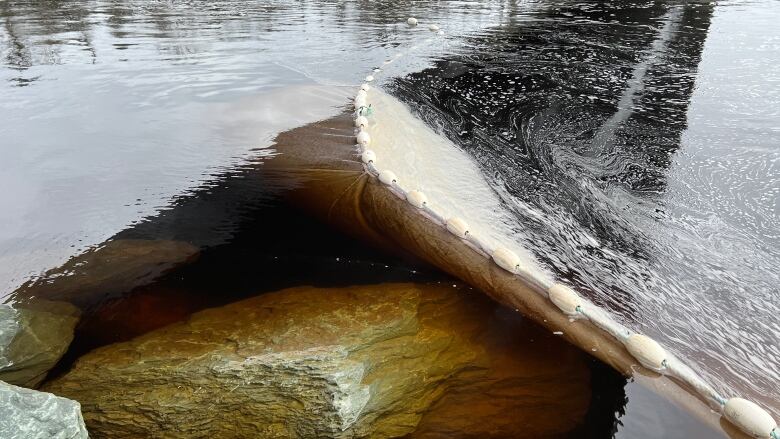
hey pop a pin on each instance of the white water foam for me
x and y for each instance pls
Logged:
(428, 162)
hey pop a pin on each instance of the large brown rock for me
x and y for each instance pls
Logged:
(373, 361)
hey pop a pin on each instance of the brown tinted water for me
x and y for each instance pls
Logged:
(257, 261)
(138, 120)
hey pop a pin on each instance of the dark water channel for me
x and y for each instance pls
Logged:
(637, 144)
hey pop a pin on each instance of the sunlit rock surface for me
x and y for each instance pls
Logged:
(29, 414)
(33, 339)
(373, 361)
(111, 269)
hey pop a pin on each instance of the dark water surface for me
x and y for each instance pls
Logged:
(637, 143)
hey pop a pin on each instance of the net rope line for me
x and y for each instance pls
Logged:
(746, 415)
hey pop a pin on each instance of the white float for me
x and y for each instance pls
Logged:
(457, 227)
(388, 177)
(506, 259)
(749, 417)
(363, 138)
(369, 78)
(417, 199)
(411, 21)
(360, 101)
(365, 87)
(361, 93)
(368, 156)
(565, 298)
(361, 121)
(647, 351)
(433, 27)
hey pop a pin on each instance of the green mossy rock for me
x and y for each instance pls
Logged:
(33, 339)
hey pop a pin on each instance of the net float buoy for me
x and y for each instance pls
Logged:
(417, 199)
(369, 78)
(647, 351)
(361, 93)
(506, 259)
(363, 138)
(368, 156)
(388, 177)
(365, 87)
(457, 227)
(360, 101)
(565, 299)
(361, 121)
(750, 418)
(411, 21)
(433, 27)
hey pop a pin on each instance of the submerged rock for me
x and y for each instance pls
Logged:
(29, 414)
(32, 340)
(372, 361)
(38, 328)
(114, 268)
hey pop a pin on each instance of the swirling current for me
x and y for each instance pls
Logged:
(636, 143)
(598, 132)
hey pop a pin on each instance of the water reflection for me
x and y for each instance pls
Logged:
(121, 117)
(577, 113)
(131, 99)
(253, 243)
(578, 107)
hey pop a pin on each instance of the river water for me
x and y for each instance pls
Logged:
(639, 149)
(636, 143)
